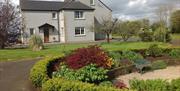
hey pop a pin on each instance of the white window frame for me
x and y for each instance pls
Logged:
(92, 2)
(54, 17)
(79, 16)
(80, 30)
(30, 31)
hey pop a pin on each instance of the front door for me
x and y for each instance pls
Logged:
(46, 35)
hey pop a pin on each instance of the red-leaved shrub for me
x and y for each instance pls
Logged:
(90, 55)
(120, 84)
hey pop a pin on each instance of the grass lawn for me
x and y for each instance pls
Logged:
(176, 36)
(53, 50)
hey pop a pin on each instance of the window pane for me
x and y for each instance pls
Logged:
(81, 14)
(31, 31)
(78, 14)
(53, 15)
(82, 30)
(77, 31)
(91, 2)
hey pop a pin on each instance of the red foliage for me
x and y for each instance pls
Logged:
(120, 85)
(90, 55)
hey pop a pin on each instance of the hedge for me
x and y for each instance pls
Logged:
(155, 85)
(60, 84)
(39, 72)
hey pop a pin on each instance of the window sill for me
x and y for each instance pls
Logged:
(54, 18)
(79, 18)
(80, 35)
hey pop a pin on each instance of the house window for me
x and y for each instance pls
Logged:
(79, 14)
(92, 2)
(79, 31)
(54, 15)
(31, 31)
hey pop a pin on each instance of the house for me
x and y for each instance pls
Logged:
(68, 21)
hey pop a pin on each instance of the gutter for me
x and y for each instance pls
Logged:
(58, 27)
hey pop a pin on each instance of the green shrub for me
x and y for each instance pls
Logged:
(162, 34)
(106, 83)
(146, 36)
(115, 55)
(90, 73)
(60, 84)
(39, 72)
(116, 58)
(149, 85)
(159, 64)
(130, 55)
(154, 50)
(175, 53)
(36, 43)
(175, 85)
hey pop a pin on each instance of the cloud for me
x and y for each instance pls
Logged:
(136, 9)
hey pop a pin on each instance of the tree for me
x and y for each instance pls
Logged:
(9, 23)
(127, 29)
(161, 32)
(155, 26)
(107, 26)
(175, 21)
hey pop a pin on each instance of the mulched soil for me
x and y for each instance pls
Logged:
(14, 76)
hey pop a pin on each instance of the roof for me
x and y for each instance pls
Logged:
(46, 25)
(105, 5)
(29, 5)
(76, 5)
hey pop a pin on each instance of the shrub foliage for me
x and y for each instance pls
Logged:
(130, 55)
(85, 56)
(175, 53)
(154, 50)
(36, 43)
(159, 64)
(155, 85)
(90, 74)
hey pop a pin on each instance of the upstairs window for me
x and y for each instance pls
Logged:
(31, 31)
(79, 31)
(79, 14)
(92, 2)
(54, 15)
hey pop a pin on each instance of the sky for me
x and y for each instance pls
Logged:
(136, 9)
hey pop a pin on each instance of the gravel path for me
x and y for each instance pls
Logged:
(169, 73)
(14, 76)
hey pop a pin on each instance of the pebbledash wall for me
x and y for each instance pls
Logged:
(70, 23)
(67, 25)
(38, 18)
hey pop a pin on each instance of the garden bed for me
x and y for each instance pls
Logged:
(93, 69)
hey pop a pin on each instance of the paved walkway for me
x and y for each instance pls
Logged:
(14, 76)
(169, 73)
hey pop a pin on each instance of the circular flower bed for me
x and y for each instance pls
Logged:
(84, 69)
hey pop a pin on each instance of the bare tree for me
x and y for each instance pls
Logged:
(9, 22)
(107, 26)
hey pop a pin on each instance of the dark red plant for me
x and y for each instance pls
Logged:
(90, 55)
(120, 84)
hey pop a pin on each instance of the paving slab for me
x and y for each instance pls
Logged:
(14, 76)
